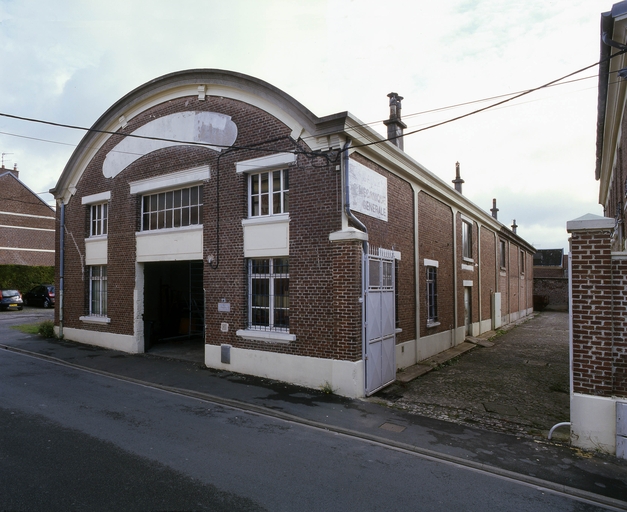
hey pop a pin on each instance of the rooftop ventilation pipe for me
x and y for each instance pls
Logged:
(458, 181)
(494, 210)
(394, 123)
(514, 226)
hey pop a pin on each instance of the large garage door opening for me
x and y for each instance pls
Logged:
(174, 309)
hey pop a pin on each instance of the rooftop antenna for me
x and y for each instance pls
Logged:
(3, 157)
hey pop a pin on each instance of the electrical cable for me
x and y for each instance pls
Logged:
(552, 83)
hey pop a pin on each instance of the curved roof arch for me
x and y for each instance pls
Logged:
(202, 82)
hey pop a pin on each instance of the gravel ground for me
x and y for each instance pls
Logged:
(519, 386)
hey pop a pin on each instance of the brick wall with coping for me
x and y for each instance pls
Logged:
(599, 315)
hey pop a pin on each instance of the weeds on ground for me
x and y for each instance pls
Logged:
(327, 389)
(45, 328)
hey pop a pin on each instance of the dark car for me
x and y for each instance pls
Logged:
(10, 299)
(42, 295)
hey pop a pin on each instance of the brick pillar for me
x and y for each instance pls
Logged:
(347, 307)
(598, 281)
(591, 310)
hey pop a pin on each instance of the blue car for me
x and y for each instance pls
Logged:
(11, 299)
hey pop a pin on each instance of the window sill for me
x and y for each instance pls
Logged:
(432, 325)
(266, 219)
(266, 336)
(470, 268)
(95, 319)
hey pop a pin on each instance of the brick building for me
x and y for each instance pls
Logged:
(550, 280)
(599, 267)
(27, 224)
(210, 205)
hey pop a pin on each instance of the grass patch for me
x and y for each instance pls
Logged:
(45, 328)
(27, 328)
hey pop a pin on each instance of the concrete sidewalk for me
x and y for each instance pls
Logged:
(534, 460)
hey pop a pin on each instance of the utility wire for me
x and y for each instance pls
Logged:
(315, 154)
(520, 95)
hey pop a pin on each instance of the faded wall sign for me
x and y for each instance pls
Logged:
(368, 191)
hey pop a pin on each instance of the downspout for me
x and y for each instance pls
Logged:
(61, 267)
(347, 202)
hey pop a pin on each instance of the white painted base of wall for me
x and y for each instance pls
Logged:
(593, 422)
(346, 378)
(122, 342)
(485, 326)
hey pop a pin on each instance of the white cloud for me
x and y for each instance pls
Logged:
(69, 60)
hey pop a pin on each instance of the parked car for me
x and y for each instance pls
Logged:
(42, 295)
(10, 299)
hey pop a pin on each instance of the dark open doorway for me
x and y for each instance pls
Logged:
(174, 309)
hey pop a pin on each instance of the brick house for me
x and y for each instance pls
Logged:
(210, 205)
(27, 224)
(550, 280)
(598, 259)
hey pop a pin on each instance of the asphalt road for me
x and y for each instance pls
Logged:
(74, 440)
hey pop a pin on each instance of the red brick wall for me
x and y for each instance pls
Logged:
(28, 231)
(397, 234)
(435, 235)
(467, 275)
(488, 271)
(599, 315)
(315, 211)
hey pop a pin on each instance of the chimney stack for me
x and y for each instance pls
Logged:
(494, 210)
(458, 181)
(514, 226)
(16, 173)
(394, 123)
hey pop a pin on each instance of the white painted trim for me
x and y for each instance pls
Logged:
(25, 227)
(96, 198)
(122, 342)
(24, 249)
(173, 180)
(348, 234)
(95, 319)
(593, 422)
(431, 263)
(267, 336)
(265, 162)
(47, 217)
(172, 244)
(471, 268)
(467, 283)
(96, 250)
(266, 219)
(346, 378)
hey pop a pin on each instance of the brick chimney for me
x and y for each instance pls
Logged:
(15, 172)
(494, 210)
(394, 123)
(458, 180)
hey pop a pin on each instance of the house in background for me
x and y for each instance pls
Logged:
(550, 280)
(27, 224)
(598, 259)
(209, 207)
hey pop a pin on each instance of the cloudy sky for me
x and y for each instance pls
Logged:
(67, 61)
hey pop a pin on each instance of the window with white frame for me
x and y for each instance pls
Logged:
(172, 209)
(268, 294)
(98, 290)
(99, 218)
(466, 240)
(432, 295)
(268, 193)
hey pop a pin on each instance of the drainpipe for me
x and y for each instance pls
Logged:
(347, 202)
(61, 267)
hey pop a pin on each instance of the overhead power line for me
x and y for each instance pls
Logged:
(509, 97)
